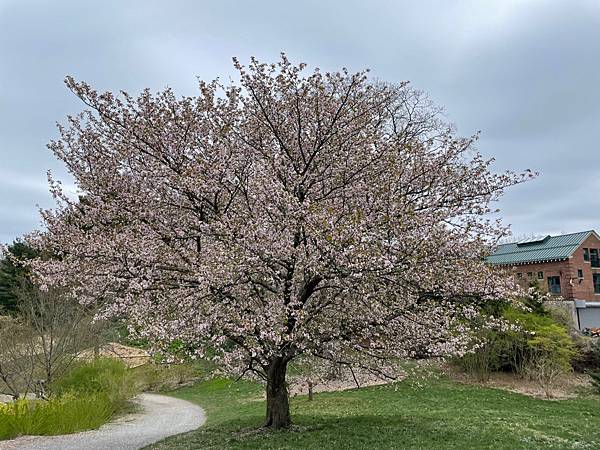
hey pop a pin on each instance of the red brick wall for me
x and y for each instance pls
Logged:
(585, 289)
(571, 286)
(551, 269)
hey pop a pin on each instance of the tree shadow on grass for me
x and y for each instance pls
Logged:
(361, 431)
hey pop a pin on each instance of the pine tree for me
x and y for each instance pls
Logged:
(12, 274)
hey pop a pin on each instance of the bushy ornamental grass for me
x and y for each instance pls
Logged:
(85, 398)
(101, 376)
(58, 415)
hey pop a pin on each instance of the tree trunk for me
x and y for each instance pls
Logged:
(278, 406)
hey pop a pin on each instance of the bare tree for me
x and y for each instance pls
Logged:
(17, 360)
(41, 341)
(59, 329)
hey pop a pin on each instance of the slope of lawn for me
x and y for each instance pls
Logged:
(438, 414)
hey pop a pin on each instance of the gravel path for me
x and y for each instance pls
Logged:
(161, 417)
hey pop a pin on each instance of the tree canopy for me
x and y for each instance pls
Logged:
(287, 214)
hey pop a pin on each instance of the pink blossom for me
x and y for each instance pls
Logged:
(323, 214)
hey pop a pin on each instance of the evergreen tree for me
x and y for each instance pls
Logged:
(12, 274)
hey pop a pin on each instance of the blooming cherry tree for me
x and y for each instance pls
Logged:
(288, 214)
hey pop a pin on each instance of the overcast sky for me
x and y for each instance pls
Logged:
(526, 73)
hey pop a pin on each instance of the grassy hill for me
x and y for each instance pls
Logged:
(435, 414)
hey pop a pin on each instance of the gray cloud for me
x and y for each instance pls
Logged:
(524, 73)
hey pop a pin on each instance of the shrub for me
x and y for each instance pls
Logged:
(550, 355)
(563, 317)
(84, 398)
(588, 354)
(481, 362)
(595, 380)
(535, 346)
(544, 337)
(163, 377)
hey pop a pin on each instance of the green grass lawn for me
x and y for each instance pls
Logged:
(440, 414)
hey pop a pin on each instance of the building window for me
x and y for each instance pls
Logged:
(529, 275)
(586, 254)
(579, 273)
(519, 275)
(597, 283)
(554, 285)
(594, 257)
(540, 275)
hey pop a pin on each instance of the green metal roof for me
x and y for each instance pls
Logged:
(550, 248)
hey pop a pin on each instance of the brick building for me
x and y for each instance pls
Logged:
(566, 265)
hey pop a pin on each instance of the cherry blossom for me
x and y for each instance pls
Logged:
(289, 214)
